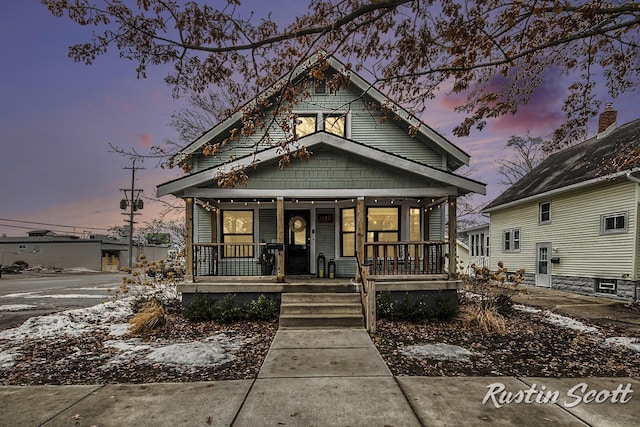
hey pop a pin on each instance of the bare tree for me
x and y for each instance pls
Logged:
(493, 53)
(527, 153)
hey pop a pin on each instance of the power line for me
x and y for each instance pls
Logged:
(50, 225)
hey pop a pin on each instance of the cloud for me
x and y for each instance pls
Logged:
(145, 139)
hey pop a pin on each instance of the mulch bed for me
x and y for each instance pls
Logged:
(530, 347)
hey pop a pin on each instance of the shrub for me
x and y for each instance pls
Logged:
(152, 315)
(227, 311)
(492, 297)
(263, 308)
(415, 309)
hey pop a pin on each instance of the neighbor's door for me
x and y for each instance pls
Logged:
(543, 264)
(297, 242)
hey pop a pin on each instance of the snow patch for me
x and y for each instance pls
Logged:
(16, 307)
(631, 343)
(438, 352)
(526, 308)
(567, 322)
(210, 351)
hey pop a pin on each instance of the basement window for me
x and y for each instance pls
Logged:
(607, 286)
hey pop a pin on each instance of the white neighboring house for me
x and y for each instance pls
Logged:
(572, 222)
(478, 247)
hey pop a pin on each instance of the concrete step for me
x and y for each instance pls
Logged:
(319, 308)
(308, 310)
(321, 320)
(334, 297)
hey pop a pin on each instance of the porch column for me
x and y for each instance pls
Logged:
(281, 232)
(453, 237)
(361, 217)
(214, 225)
(189, 238)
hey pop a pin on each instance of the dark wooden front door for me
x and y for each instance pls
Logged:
(297, 242)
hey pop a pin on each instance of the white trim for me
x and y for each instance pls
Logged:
(329, 194)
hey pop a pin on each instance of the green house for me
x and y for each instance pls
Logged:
(375, 196)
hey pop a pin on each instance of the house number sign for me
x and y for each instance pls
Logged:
(325, 218)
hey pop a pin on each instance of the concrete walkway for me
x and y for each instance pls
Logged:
(320, 377)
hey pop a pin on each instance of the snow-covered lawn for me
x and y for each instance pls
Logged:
(111, 316)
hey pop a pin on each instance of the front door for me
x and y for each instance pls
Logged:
(543, 265)
(297, 242)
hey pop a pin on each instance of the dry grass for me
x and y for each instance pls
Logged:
(152, 315)
(484, 319)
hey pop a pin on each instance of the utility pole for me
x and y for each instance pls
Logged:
(133, 202)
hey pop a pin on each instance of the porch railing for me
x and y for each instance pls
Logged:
(232, 259)
(406, 258)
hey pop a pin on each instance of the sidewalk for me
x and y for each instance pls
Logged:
(323, 377)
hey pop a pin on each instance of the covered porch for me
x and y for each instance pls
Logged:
(277, 242)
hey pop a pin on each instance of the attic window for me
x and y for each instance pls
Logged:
(320, 87)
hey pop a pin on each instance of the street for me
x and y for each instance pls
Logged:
(27, 295)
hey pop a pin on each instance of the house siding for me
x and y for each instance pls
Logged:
(575, 235)
(366, 126)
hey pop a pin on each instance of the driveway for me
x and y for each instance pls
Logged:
(35, 294)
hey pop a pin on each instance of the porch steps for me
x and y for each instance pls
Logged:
(309, 310)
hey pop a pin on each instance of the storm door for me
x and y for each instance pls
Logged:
(297, 242)
(543, 264)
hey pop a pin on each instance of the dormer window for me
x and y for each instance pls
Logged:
(335, 125)
(305, 125)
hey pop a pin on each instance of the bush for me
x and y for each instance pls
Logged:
(415, 309)
(492, 297)
(203, 309)
(151, 316)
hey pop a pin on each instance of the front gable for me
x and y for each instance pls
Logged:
(364, 124)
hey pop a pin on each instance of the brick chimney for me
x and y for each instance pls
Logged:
(607, 118)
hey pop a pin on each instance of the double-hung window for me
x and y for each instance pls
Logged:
(544, 213)
(614, 223)
(237, 234)
(511, 240)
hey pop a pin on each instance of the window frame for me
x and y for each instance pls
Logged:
(541, 212)
(343, 232)
(513, 238)
(304, 115)
(251, 252)
(603, 223)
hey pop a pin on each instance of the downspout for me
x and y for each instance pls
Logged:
(635, 179)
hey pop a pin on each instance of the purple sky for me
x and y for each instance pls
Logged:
(57, 118)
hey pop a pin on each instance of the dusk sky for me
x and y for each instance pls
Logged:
(58, 117)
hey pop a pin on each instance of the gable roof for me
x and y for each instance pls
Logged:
(454, 153)
(205, 176)
(576, 166)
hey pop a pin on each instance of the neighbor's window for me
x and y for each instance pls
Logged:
(511, 240)
(383, 225)
(305, 125)
(477, 241)
(544, 210)
(614, 223)
(335, 125)
(348, 231)
(237, 229)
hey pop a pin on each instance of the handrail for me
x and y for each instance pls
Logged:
(361, 274)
